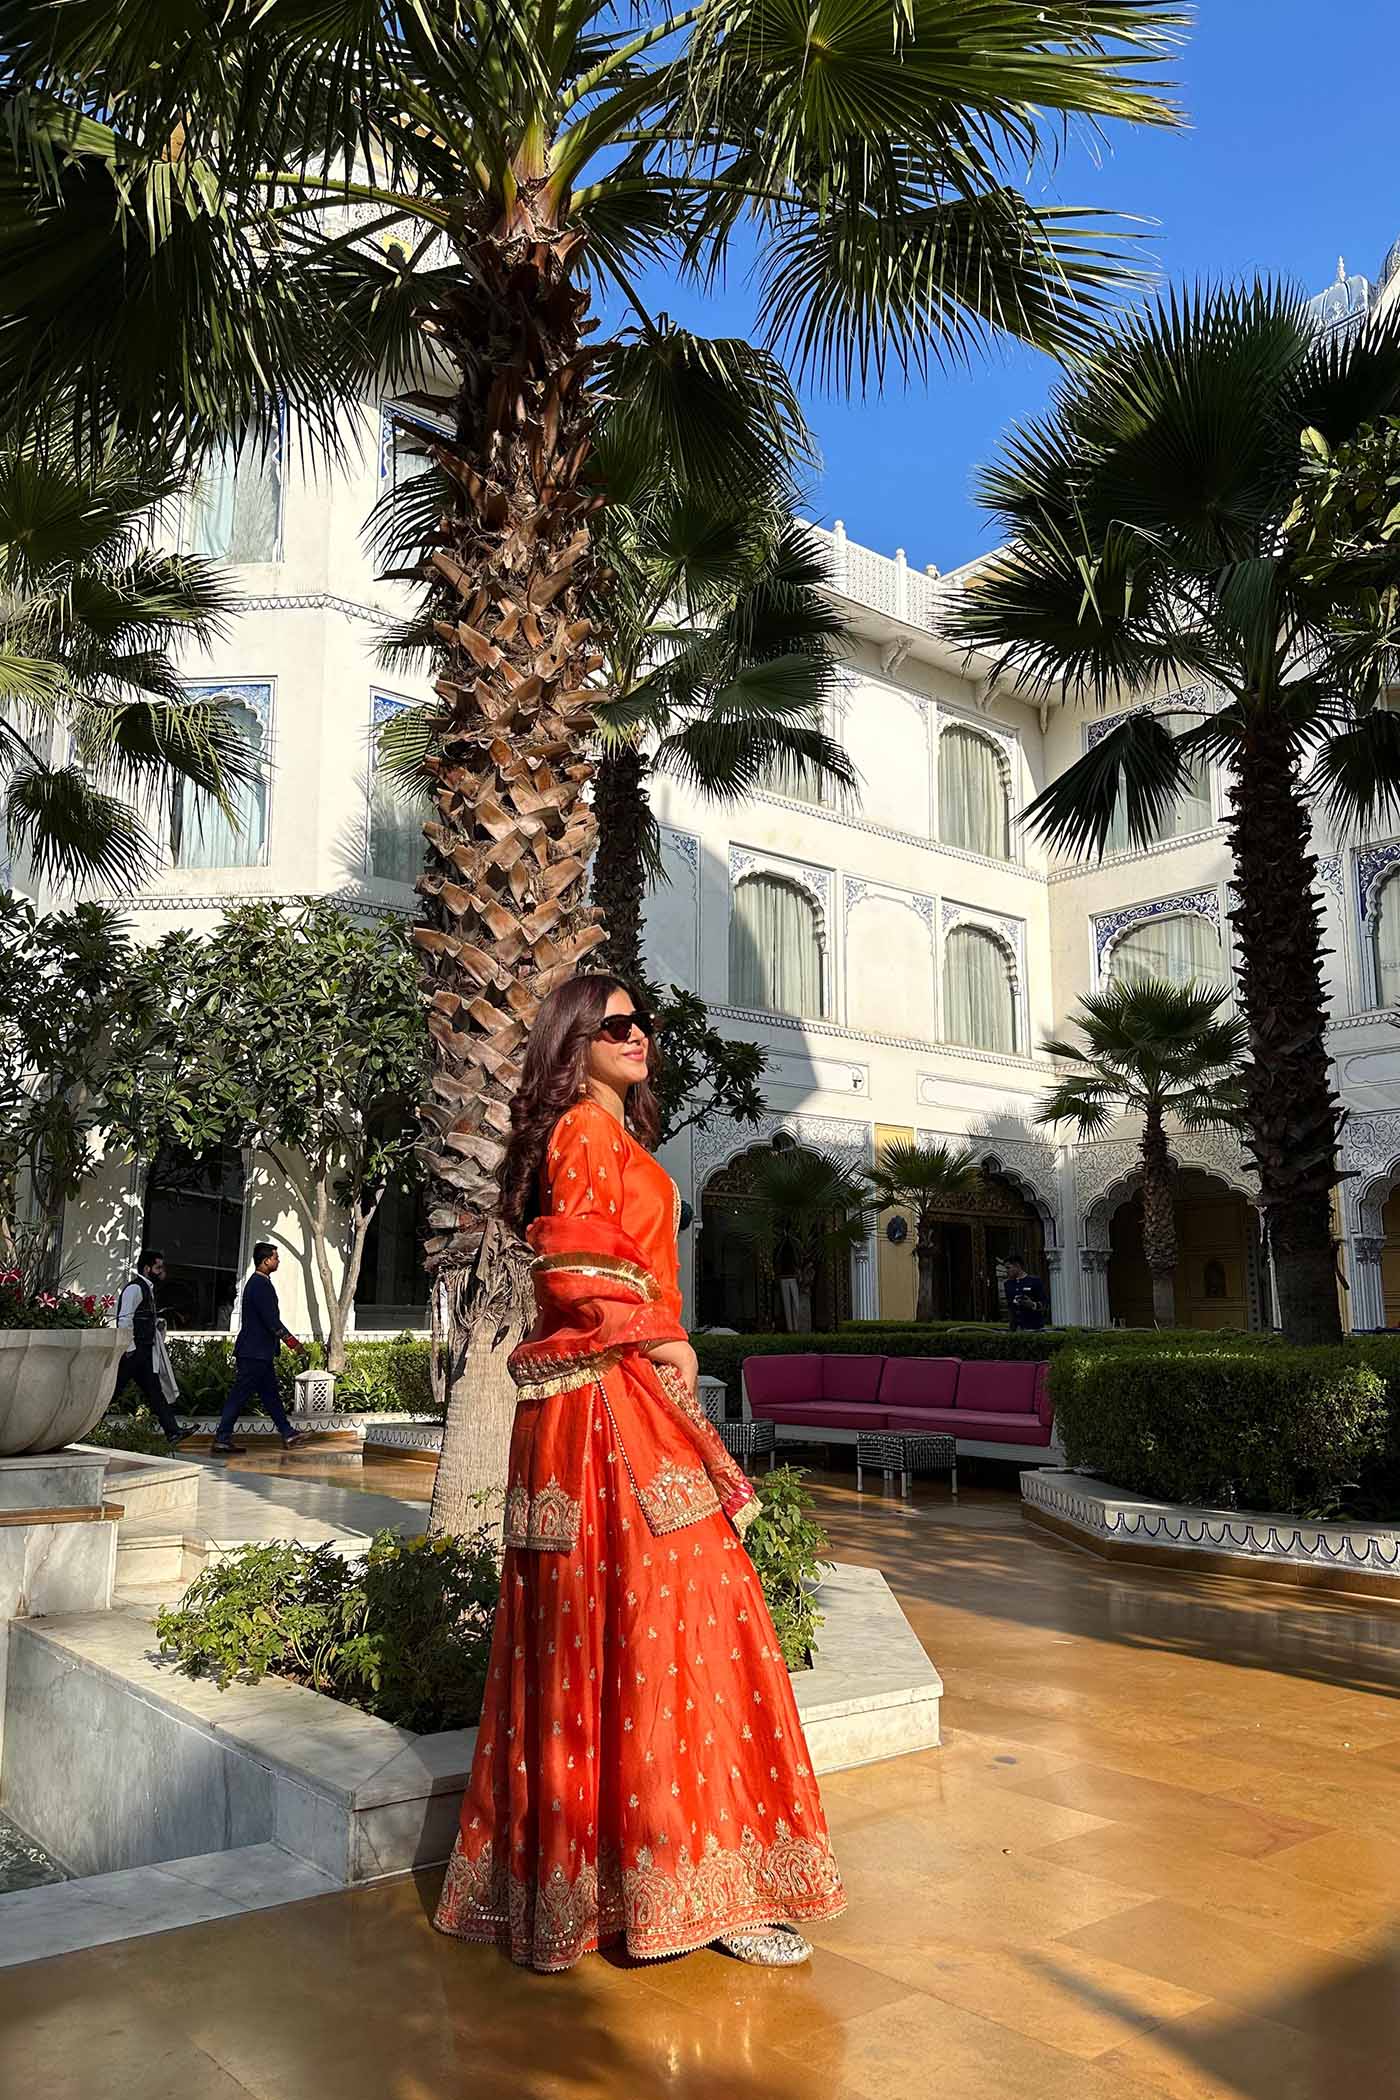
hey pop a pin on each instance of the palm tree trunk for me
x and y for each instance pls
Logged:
(505, 915)
(1292, 1113)
(622, 808)
(1159, 1219)
(923, 1255)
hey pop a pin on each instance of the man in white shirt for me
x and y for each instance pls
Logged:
(146, 1360)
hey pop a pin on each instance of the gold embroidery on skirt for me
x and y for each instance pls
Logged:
(676, 1496)
(611, 1266)
(545, 1522)
(658, 1907)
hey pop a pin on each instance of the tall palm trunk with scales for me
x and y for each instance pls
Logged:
(505, 916)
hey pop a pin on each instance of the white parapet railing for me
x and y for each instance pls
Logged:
(886, 584)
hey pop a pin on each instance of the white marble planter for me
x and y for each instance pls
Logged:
(95, 1715)
(55, 1383)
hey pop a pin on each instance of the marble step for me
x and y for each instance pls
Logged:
(63, 1917)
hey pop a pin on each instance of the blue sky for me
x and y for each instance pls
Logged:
(1290, 161)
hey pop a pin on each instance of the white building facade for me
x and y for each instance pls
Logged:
(900, 958)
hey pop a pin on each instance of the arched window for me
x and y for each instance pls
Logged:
(1181, 947)
(973, 810)
(775, 958)
(201, 834)
(1191, 811)
(194, 1216)
(396, 846)
(979, 1000)
(1387, 942)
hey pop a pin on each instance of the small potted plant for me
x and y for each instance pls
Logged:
(58, 1362)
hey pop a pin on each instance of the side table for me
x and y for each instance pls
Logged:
(906, 1453)
(749, 1440)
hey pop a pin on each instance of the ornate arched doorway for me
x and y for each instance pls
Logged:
(1219, 1271)
(734, 1287)
(974, 1237)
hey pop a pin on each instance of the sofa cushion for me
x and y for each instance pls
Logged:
(850, 1379)
(919, 1381)
(822, 1414)
(998, 1389)
(973, 1427)
(783, 1378)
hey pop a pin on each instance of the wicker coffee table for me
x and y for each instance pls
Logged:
(905, 1453)
(749, 1440)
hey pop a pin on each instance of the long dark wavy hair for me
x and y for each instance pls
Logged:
(555, 1076)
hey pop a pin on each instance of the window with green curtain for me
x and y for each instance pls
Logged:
(775, 960)
(235, 510)
(973, 810)
(1191, 811)
(204, 836)
(979, 1002)
(1181, 947)
(1387, 942)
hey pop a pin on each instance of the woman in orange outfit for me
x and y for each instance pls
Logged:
(640, 1774)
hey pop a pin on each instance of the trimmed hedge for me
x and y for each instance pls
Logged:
(389, 1377)
(1248, 1428)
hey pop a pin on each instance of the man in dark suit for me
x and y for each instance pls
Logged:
(260, 1337)
(1027, 1300)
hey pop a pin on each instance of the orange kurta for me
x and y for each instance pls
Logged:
(640, 1773)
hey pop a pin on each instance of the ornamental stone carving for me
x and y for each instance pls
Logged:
(715, 1143)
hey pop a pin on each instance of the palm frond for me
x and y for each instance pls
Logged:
(1355, 777)
(1137, 765)
(69, 829)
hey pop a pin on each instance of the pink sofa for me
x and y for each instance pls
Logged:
(995, 1410)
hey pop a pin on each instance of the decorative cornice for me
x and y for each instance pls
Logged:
(925, 843)
(755, 1017)
(319, 601)
(720, 1139)
(1082, 870)
(227, 900)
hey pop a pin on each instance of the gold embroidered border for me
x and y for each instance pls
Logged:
(542, 1376)
(606, 1265)
(656, 1909)
(546, 1522)
(676, 1496)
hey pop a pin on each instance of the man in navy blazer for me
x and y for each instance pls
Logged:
(260, 1338)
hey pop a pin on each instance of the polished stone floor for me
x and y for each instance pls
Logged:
(1159, 1854)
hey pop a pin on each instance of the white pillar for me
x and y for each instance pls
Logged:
(901, 584)
(1363, 1256)
(863, 1267)
(1093, 1263)
(1055, 1284)
(838, 556)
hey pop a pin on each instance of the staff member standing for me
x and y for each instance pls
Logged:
(146, 1360)
(1027, 1300)
(260, 1337)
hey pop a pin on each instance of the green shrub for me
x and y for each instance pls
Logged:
(393, 1376)
(137, 1431)
(788, 1548)
(404, 1633)
(1238, 1427)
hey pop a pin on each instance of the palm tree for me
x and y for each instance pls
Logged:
(89, 617)
(720, 665)
(289, 199)
(924, 1179)
(1154, 1050)
(801, 1209)
(1153, 546)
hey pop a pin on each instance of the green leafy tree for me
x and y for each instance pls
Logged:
(703, 1073)
(296, 1035)
(90, 615)
(207, 208)
(802, 1209)
(1159, 1051)
(70, 1004)
(1153, 544)
(923, 1179)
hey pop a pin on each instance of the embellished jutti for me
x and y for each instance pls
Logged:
(640, 1772)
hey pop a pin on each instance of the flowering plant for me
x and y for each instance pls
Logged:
(21, 1306)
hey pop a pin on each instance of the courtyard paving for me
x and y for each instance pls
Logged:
(1158, 1854)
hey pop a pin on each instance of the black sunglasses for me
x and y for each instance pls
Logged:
(617, 1027)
